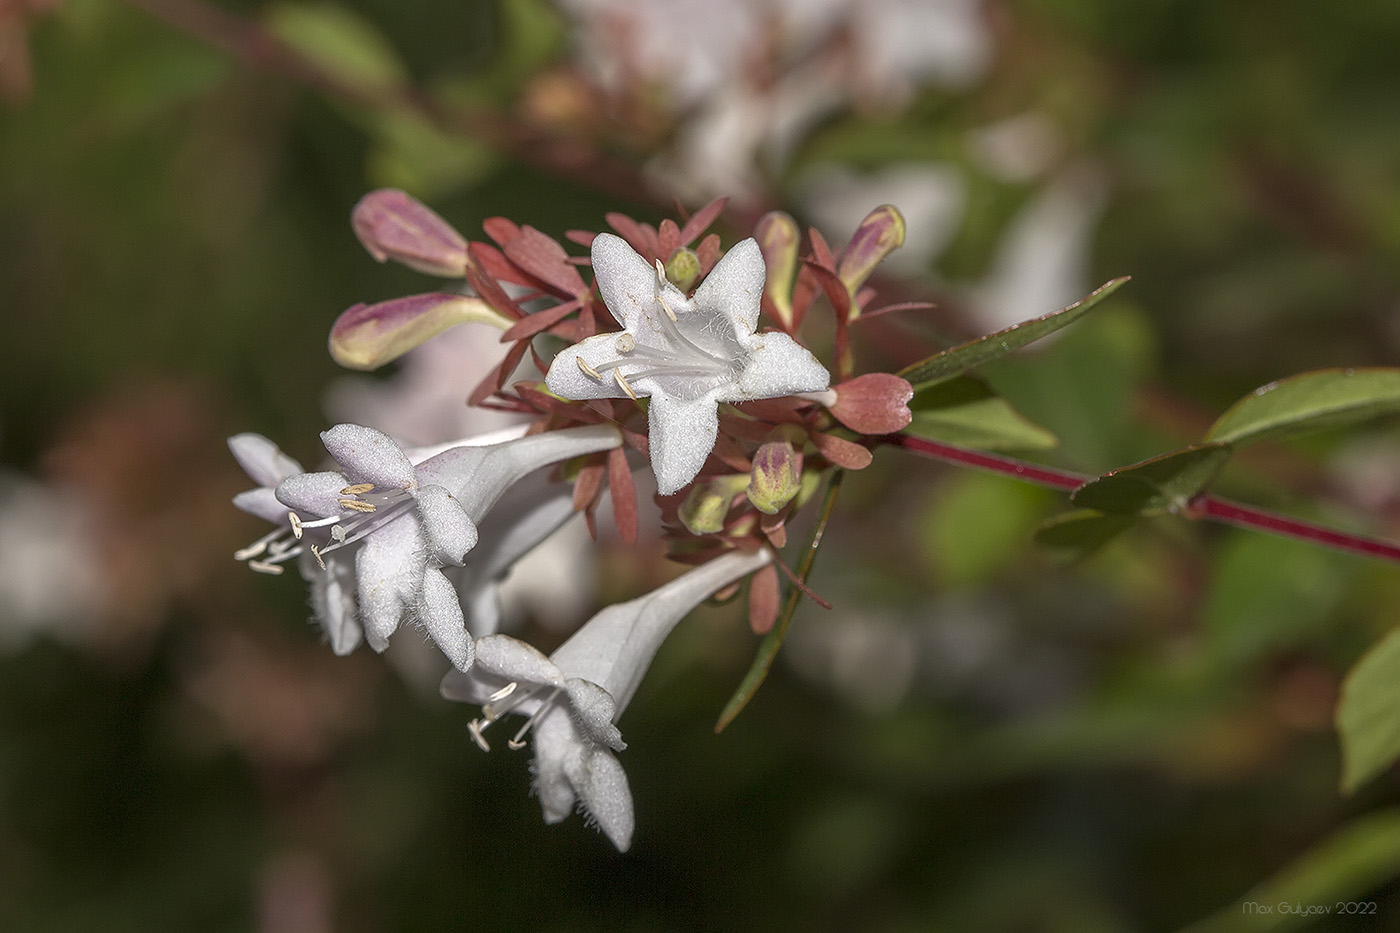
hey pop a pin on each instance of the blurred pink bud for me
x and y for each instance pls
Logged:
(879, 234)
(876, 403)
(368, 336)
(392, 225)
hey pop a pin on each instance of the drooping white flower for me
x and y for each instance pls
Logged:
(374, 537)
(687, 354)
(574, 697)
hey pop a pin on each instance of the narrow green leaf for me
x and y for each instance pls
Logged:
(342, 42)
(768, 648)
(965, 411)
(1331, 880)
(1368, 715)
(1162, 484)
(1307, 402)
(1082, 531)
(960, 359)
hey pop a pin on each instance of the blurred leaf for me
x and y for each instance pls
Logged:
(1081, 531)
(1307, 402)
(1269, 594)
(1162, 484)
(965, 411)
(961, 358)
(1338, 871)
(341, 43)
(415, 155)
(1368, 715)
(976, 524)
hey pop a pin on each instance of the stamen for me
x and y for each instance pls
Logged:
(625, 343)
(665, 306)
(295, 519)
(264, 567)
(624, 384)
(589, 370)
(316, 553)
(502, 693)
(338, 533)
(252, 550)
(356, 489)
(355, 505)
(518, 742)
(474, 728)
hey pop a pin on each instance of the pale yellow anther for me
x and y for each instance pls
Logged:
(338, 533)
(588, 370)
(665, 306)
(356, 489)
(502, 693)
(252, 550)
(355, 505)
(624, 384)
(474, 727)
(316, 553)
(264, 567)
(295, 519)
(516, 745)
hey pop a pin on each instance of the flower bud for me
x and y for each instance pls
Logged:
(392, 225)
(879, 234)
(777, 237)
(707, 505)
(368, 336)
(875, 403)
(683, 268)
(776, 476)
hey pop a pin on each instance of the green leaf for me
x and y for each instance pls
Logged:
(341, 43)
(1323, 882)
(1162, 484)
(1081, 531)
(768, 648)
(1368, 716)
(1307, 402)
(960, 359)
(965, 411)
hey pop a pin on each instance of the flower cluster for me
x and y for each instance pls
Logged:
(662, 354)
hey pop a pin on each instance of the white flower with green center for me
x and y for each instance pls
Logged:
(687, 354)
(381, 530)
(573, 698)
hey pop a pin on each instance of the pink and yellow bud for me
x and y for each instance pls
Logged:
(368, 336)
(776, 476)
(778, 237)
(707, 506)
(879, 234)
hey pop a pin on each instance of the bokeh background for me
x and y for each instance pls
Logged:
(976, 737)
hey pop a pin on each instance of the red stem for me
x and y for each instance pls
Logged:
(1203, 506)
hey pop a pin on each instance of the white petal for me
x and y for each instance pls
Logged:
(681, 433)
(778, 365)
(567, 379)
(263, 503)
(333, 599)
(626, 282)
(369, 456)
(593, 708)
(389, 571)
(557, 750)
(261, 459)
(316, 493)
(512, 659)
(735, 286)
(450, 533)
(441, 615)
(601, 785)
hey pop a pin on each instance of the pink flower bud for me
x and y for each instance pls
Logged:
(392, 225)
(879, 234)
(875, 403)
(368, 336)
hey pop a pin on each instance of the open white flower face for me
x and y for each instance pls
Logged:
(687, 354)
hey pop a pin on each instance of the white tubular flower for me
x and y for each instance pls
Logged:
(405, 523)
(687, 354)
(574, 697)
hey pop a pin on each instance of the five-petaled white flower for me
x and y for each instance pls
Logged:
(407, 524)
(574, 697)
(687, 354)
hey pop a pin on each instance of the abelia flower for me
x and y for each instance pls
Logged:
(406, 523)
(573, 698)
(687, 354)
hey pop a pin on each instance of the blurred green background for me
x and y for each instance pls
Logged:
(977, 737)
